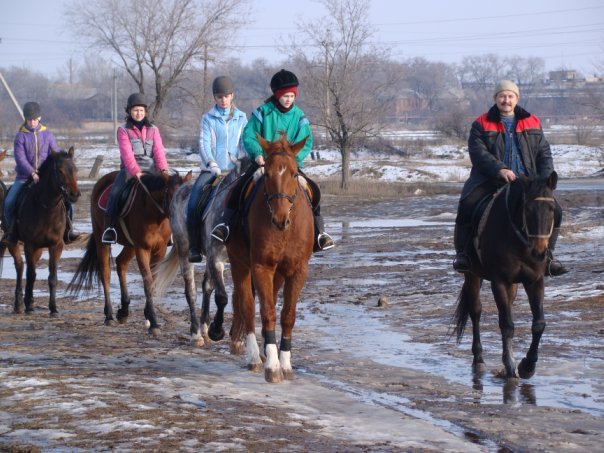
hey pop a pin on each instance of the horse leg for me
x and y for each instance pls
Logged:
(470, 305)
(121, 262)
(526, 369)
(244, 316)
(263, 278)
(291, 292)
(143, 258)
(199, 335)
(501, 293)
(31, 259)
(19, 266)
(105, 277)
(221, 299)
(54, 254)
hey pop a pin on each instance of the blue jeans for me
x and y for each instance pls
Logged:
(118, 185)
(11, 200)
(203, 179)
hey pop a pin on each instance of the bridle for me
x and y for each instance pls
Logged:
(162, 209)
(525, 234)
(291, 198)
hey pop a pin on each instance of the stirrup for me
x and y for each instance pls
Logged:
(325, 241)
(109, 236)
(218, 232)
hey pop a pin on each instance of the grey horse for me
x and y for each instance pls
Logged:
(202, 331)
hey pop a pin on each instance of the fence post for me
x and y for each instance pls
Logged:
(95, 167)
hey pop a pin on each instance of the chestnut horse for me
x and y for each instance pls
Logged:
(511, 248)
(143, 231)
(271, 250)
(41, 217)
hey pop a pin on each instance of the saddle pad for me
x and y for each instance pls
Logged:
(126, 204)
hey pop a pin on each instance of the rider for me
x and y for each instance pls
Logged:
(504, 143)
(219, 146)
(141, 149)
(33, 144)
(277, 115)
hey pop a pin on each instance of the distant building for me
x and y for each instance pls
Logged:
(563, 75)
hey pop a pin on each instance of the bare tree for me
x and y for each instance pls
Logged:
(158, 39)
(344, 78)
(433, 81)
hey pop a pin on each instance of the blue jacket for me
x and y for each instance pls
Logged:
(219, 137)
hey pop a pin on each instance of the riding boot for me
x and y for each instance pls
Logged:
(194, 233)
(222, 230)
(323, 241)
(462, 236)
(109, 234)
(70, 234)
(554, 267)
(10, 238)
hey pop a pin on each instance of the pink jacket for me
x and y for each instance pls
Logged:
(147, 134)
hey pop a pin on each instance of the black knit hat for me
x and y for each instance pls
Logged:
(135, 99)
(283, 79)
(31, 111)
(222, 86)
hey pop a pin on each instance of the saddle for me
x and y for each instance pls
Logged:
(125, 197)
(480, 216)
(208, 193)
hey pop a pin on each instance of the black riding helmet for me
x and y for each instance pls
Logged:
(31, 111)
(134, 100)
(284, 79)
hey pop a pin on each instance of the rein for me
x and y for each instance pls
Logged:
(155, 203)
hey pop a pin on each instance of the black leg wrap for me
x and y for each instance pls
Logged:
(270, 337)
(286, 344)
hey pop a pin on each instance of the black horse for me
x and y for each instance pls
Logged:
(42, 219)
(510, 247)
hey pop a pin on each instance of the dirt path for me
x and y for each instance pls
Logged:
(367, 378)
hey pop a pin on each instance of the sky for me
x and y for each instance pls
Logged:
(565, 34)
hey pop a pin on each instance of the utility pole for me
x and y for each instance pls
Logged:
(114, 107)
(12, 96)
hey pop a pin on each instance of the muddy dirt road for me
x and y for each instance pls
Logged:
(368, 378)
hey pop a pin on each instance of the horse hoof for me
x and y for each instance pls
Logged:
(197, 340)
(109, 322)
(526, 369)
(273, 376)
(122, 316)
(54, 314)
(155, 331)
(237, 348)
(288, 375)
(215, 334)
(254, 367)
(479, 367)
(18, 310)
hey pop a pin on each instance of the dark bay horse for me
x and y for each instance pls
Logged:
(41, 223)
(270, 251)
(143, 231)
(202, 331)
(511, 248)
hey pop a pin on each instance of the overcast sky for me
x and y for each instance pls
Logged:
(566, 34)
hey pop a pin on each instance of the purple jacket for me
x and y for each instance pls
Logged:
(31, 148)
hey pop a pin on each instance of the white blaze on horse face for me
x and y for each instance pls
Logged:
(272, 357)
(281, 170)
(252, 352)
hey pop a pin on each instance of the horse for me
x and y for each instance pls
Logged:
(511, 247)
(42, 218)
(271, 250)
(202, 331)
(144, 231)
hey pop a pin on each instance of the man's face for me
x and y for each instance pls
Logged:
(506, 102)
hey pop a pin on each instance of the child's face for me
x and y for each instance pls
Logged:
(287, 100)
(224, 101)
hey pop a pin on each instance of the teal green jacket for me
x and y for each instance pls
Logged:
(269, 122)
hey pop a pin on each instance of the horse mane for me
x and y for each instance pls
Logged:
(153, 181)
(54, 156)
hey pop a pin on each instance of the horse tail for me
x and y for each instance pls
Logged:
(165, 272)
(88, 272)
(2, 250)
(462, 313)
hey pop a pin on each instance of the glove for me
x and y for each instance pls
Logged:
(260, 160)
(215, 169)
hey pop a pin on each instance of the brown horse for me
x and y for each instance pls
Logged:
(42, 219)
(143, 231)
(269, 251)
(511, 248)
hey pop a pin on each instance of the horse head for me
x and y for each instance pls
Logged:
(59, 171)
(281, 186)
(538, 212)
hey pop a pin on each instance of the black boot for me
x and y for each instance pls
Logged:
(70, 233)
(462, 235)
(323, 241)
(554, 267)
(109, 235)
(194, 242)
(10, 238)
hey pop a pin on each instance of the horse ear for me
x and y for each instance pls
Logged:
(264, 144)
(188, 176)
(552, 181)
(71, 151)
(298, 146)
